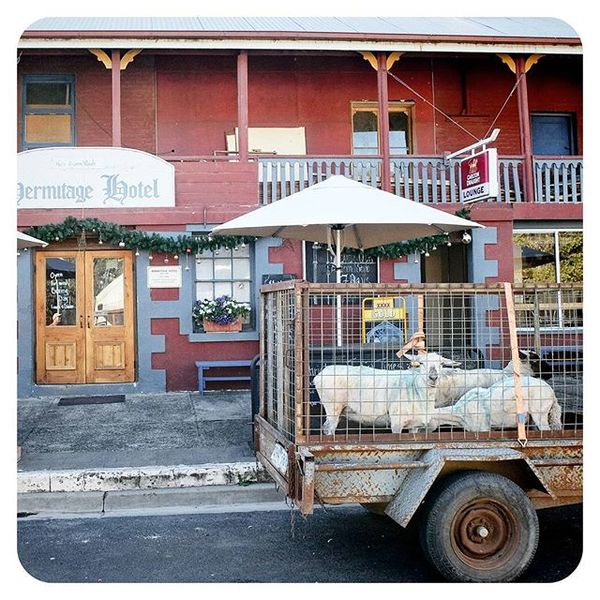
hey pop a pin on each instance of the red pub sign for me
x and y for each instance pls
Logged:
(479, 176)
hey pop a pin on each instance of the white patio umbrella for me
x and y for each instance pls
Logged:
(28, 241)
(357, 215)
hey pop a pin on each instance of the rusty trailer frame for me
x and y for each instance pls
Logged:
(396, 470)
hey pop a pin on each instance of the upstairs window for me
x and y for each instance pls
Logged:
(365, 129)
(48, 111)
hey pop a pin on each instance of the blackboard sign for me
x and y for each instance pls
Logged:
(275, 277)
(356, 267)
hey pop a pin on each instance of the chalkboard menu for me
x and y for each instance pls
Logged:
(356, 267)
(276, 277)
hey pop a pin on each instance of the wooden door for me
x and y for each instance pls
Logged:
(60, 347)
(92, 339)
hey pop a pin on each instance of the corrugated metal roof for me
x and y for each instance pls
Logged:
(525, 27)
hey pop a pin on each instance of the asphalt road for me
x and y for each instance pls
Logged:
(342, 544)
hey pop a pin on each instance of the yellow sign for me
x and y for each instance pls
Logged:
(376, 310)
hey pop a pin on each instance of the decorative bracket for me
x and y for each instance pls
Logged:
(128, 57)
(392, 58)
(372, 59)
(102, 57)
(509, 61)
(106, 60)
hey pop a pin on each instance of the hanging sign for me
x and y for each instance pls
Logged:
(86, 177)
(479, 176)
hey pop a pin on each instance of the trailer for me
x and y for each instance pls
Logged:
(471, 489)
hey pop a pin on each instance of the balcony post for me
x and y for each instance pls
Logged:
(384, 121)
(116, 97)
(525, 128)
(242, 98)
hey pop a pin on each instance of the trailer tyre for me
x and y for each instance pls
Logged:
(479, 527)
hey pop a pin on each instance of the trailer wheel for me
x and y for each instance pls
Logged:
(479, 527)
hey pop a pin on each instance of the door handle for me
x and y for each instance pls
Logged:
(81, 321)
(88, 321)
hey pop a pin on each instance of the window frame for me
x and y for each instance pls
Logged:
(251, 325)
(555, 231)
(572, 117)
(406, 107)
(47, 78)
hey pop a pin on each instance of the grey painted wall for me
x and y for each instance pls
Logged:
(480, 268)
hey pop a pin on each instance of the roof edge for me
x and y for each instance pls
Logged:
(295, 35)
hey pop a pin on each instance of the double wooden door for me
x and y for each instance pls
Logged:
(84, 317)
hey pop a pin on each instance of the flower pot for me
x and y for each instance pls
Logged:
(212, 327)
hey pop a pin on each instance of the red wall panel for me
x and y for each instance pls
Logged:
(180, 354)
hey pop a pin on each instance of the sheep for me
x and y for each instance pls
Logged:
(455, 383)
(495, 407)
(371, 395)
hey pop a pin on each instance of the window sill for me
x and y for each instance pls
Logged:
(230, 336)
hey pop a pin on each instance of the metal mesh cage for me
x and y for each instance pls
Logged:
(395, 362)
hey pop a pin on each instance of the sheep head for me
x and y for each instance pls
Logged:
(430, 364)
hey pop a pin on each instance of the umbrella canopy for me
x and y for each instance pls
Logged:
(28, 241)
(365, 215)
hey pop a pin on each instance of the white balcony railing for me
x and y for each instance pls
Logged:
(426, 179)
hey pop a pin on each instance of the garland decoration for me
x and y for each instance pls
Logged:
(134, 239)
(117, 235)
(417, 246)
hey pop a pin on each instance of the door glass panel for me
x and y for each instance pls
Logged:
(109, 294)
(399, 133)
(364, 134)
(61, 291)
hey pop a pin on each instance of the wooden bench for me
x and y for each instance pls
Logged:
(203, 365)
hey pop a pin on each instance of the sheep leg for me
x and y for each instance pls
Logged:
(396, 423)
(541, 420)
(330, 424)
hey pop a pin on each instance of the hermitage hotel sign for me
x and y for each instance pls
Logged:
(102, 177)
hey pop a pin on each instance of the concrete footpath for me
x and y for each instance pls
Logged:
(151, 451)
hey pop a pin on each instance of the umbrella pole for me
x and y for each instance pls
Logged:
(338, 279)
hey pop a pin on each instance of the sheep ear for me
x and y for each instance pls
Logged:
(413, 358)
(451, 363)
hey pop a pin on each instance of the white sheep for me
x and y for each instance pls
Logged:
(495, 407)
(369, 395)
(455, 383)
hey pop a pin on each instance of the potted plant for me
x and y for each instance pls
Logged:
(221, 314)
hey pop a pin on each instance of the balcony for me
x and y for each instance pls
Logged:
(426, 179)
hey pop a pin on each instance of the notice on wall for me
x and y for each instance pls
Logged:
(164, 277)
(88, 177)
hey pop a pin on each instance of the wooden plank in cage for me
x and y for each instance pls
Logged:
(420, 312)
(514, 350)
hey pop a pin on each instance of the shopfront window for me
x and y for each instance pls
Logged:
(48, 111)
(549, 257)
(226, 272)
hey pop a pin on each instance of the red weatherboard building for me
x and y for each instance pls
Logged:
(244, 114)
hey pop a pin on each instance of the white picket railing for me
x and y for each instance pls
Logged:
(558, 179)
(426, 179)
